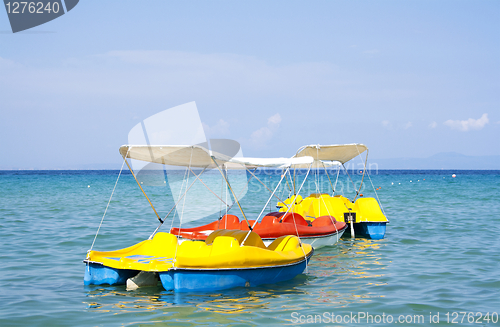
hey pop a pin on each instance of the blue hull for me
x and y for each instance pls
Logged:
(97, 274)
(374, 231)
(206, 280)
(187, 280)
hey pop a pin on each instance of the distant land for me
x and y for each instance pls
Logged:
(443, 160)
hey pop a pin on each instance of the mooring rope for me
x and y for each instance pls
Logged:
(179, 198)
(328, 211)
(109, 201)
(371, 182)
(182, 212)
(295, 223)
(263, 209)
(336, 180)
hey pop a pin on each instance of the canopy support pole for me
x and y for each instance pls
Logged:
(327, 175)
(351, 180)
(294, 193)
(298, 236)
(232, 204)
(175, 205)
(234, 195)
(209, 188)
(158, 216)
(336, 180)
(273, 193)
(289, 188)
(362, 178)
(258, 217)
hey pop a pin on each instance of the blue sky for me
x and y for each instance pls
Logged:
(406, 78)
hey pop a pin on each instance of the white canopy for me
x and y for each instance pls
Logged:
(272, 162)
(176, 155)
(327, 164)
(199, 156)
(338, 152)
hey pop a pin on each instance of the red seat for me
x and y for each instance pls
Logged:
(290, 217)
(269, 221)
(229, 222)
(324, 221)
(243, 225)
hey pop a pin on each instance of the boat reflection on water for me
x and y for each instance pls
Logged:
(355, 266)
(115, 299)
(355, 256)
(238, 300)
(248, 301)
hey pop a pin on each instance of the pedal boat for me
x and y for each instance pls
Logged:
(318, 232)
(368, 219)
(363, 214)
(226, 259)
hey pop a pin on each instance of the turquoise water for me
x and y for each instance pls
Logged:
(440, 255)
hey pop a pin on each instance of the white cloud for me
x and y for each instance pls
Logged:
(433, 124)
(219, 129)
(4, 63)
(469, 124)
(176, 76)
(388, 125)
(274, 120)
(263, 135)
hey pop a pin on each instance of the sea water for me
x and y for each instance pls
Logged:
(438, 264)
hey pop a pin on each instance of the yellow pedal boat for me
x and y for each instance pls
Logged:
(368, 220)
(363, 214)
(228, 258)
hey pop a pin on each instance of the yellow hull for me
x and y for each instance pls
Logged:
(221, 250)
(317, 205)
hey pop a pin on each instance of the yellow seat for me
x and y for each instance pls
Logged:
(224, 244)
(279, 243)
(317, 205)
(193, 249)
(252, 240)
(221, 250)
